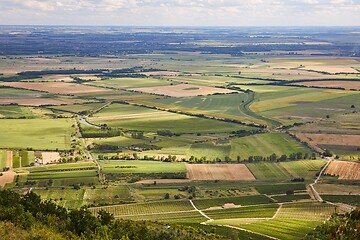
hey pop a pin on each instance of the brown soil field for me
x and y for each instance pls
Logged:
(183, 90)
(331, 84)
(344, 170)
(9, 159)
(55, 87)
(49, 157)
(32, 101)
(7, 177)
(329, 139)
(219, 172)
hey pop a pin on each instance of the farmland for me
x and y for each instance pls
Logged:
(344, 170)
(224, 130)
(36, 133)
(219, 172)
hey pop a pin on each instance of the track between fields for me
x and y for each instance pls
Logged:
(199, 211)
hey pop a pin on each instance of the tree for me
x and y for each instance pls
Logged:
(105, 217)
(167, 196)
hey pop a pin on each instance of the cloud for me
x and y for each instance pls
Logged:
(180, 12)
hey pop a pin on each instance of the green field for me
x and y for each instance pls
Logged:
(241, 200)
(265, 145)
(39, 134)
(146, 208)
(353, 200)
(15, 112)
(150, 120)
(264, 211)
(284, 229)
(311, 211)
(72, 198)
(3, 159)
(227, 106)
(137, 166)
(280, 188)
(306, 169)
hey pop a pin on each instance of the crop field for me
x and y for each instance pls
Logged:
(306, 169)
(331, 84)
(15, 112)
(291, 198)
(280, 188)
(219, 172)
(146, 208)
(225, 120)
(264, 211)
(353, 200)
(144, 119)
(265, 145)
(144, 168)
(184, 90)
(341, 143)
(285, 229)
(225, 106)
(55, 87)
(313, 211)
(344, 170)
(75, 198)
(35, 133)
(126, 83)
(63, 171)
(240, 200)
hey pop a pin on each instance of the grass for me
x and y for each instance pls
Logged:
(265, 145)
(306, 169)
(144, 119)
(264, 211)
(39, 134)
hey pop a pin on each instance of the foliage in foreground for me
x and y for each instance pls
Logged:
(28, 217)
(344, 227)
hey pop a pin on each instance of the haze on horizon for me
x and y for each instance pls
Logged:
(181, 12)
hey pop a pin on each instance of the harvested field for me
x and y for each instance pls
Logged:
(344, 170)
(160, 73)
(331, 84)
(219, 172)
(9, 161)
(55, 87)
(32, 101)
(332, 69)
(49, 157)
(7, 177)
(183, 90)
(329, 139)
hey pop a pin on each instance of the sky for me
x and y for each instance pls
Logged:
(181, 12)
